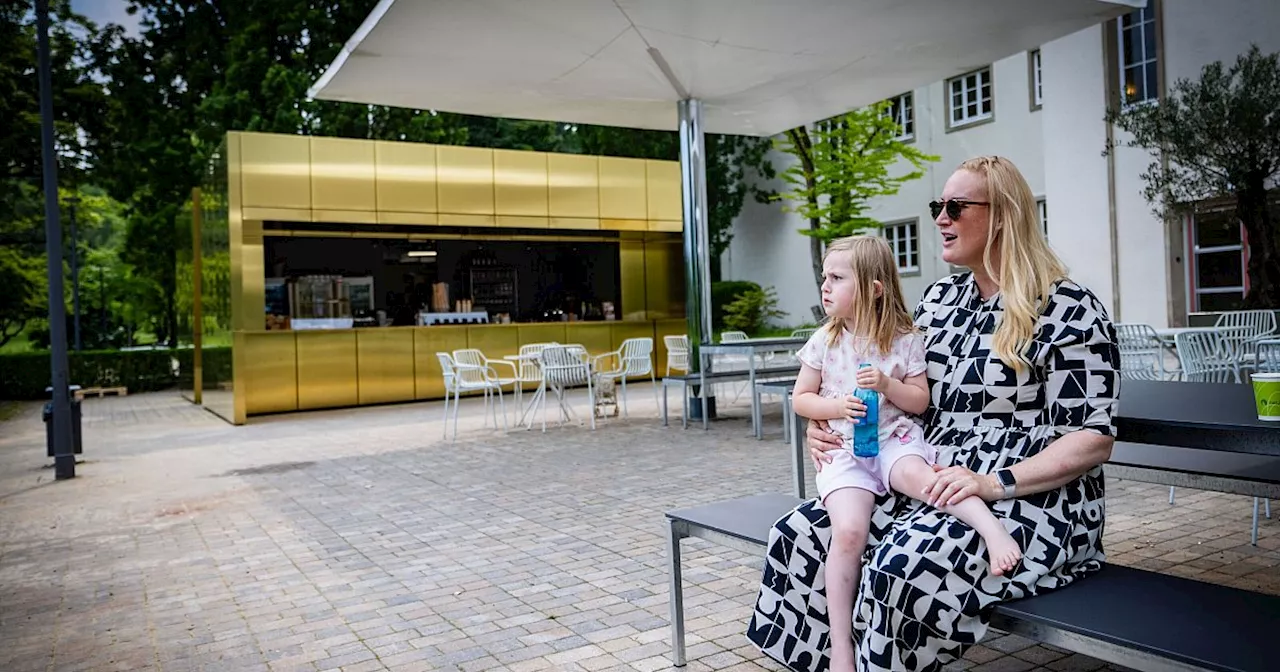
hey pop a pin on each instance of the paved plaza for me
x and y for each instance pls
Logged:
(361, 540)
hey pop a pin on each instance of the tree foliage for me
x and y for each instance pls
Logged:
(842, 163)
(1218, 136)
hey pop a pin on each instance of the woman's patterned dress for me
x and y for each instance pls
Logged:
(926, 589)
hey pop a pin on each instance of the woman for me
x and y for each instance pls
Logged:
(1023, 374)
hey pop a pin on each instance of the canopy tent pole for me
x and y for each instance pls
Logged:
(697, 244)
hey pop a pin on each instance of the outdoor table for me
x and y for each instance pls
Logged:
(750, 348)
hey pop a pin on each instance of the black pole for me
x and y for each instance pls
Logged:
(63, 459)
(75, 269)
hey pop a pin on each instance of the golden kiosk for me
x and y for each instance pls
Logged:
(327, 272)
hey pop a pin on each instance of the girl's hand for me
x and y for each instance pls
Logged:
(871, 378)
(853, 409)
(822, 441)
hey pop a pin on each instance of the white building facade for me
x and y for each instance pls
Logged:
(1044, 110)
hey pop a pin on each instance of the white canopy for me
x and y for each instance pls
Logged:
(759, 66)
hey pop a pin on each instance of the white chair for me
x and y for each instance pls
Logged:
(564, 366)
(474, 359)
(803, 333)
(1142, 354)
(634, 358)
(677, 353)
(459, 378)
(1246, 328)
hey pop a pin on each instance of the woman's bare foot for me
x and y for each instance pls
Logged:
(1003, 553)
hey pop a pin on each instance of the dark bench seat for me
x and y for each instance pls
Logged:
(1140, 619)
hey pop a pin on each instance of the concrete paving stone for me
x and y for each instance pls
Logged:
(297, 539)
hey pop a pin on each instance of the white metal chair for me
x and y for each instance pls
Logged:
(803, 333)
(564, 366)
(1246, 328)
(1142, 354)
(634, 358)
(473, 359)
(459, 378)
(677, 353)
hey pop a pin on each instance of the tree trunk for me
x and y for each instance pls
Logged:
(1264, 263)
(800, 139)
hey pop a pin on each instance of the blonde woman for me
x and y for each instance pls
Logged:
(1022, 365)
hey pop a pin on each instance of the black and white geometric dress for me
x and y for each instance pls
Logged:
(926, 588)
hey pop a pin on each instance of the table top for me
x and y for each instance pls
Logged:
(1213, 416)
(753, 344)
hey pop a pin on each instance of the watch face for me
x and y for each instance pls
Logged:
(1005, 477)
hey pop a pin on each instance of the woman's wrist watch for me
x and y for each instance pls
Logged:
(1008, 484)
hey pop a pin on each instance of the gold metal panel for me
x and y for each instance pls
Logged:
(327, 369)
(345, 216)
(520, 183)
(573, 185)
(253, 293)
(428, 379)
(342, 175)
(277, 214)
(495, 341)
(275, 170)
(412, 218)
(575, 223)
(384, 359)
(465, 180)
(664, 278)
(596, 337)
(664, 190)
(631, 268)
(673, 226)
(624, 224)
(270, 372)
(511, 222)
(406, 177)
(541, 333)
(451, 219)
(622, 188)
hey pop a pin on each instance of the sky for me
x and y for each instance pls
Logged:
(103, 12)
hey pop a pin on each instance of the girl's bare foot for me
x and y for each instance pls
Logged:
(1003, 553)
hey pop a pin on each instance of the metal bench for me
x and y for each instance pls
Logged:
(1143, 620)
(782, 388)
(694, 379)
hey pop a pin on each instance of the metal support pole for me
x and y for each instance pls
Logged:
(64, 458)
(697, 248)
(75, 269)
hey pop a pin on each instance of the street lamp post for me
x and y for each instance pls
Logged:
(72, 202)
(64, 460)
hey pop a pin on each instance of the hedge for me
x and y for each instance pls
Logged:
(724, 293)
(25, 375)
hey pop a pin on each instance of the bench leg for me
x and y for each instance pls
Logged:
(757, 410)
(664, 402)
(1253, 534)
(676, 599)
(684, 405)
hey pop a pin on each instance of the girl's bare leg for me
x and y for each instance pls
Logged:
(912, 474)
(850, 513)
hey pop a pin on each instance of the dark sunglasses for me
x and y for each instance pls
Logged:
(953, 207)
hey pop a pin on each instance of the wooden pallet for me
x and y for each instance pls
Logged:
(101, 392)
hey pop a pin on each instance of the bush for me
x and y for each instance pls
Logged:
(725, 293)
(25, 375)
(753, 310)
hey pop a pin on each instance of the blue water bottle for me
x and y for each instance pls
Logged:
(866, 434)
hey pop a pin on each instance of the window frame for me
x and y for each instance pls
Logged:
(896, 106)
(1035, 78)
(982, 117)
(912, 252)
(1042, 211)
(1195, 251)
(1143, 16)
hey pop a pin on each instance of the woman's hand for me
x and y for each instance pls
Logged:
(953, 484)
(822, 441)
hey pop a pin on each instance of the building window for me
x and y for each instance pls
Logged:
(1218, 260)
(903, 111)
(1037, 90)
(904, 239)
(1136, 41)
(1044, 215)
(970, 97)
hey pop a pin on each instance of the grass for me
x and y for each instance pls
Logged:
(9, 410)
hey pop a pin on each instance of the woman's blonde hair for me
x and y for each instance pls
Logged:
(877, 318)
(1028, 267)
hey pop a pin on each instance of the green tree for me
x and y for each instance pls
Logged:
(842, 163)
(1213, 137)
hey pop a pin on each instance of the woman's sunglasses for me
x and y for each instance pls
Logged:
(953, 207)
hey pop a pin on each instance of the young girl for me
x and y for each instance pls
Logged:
(869, 323)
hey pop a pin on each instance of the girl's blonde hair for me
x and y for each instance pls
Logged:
(877, 318)
(1028, 267)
